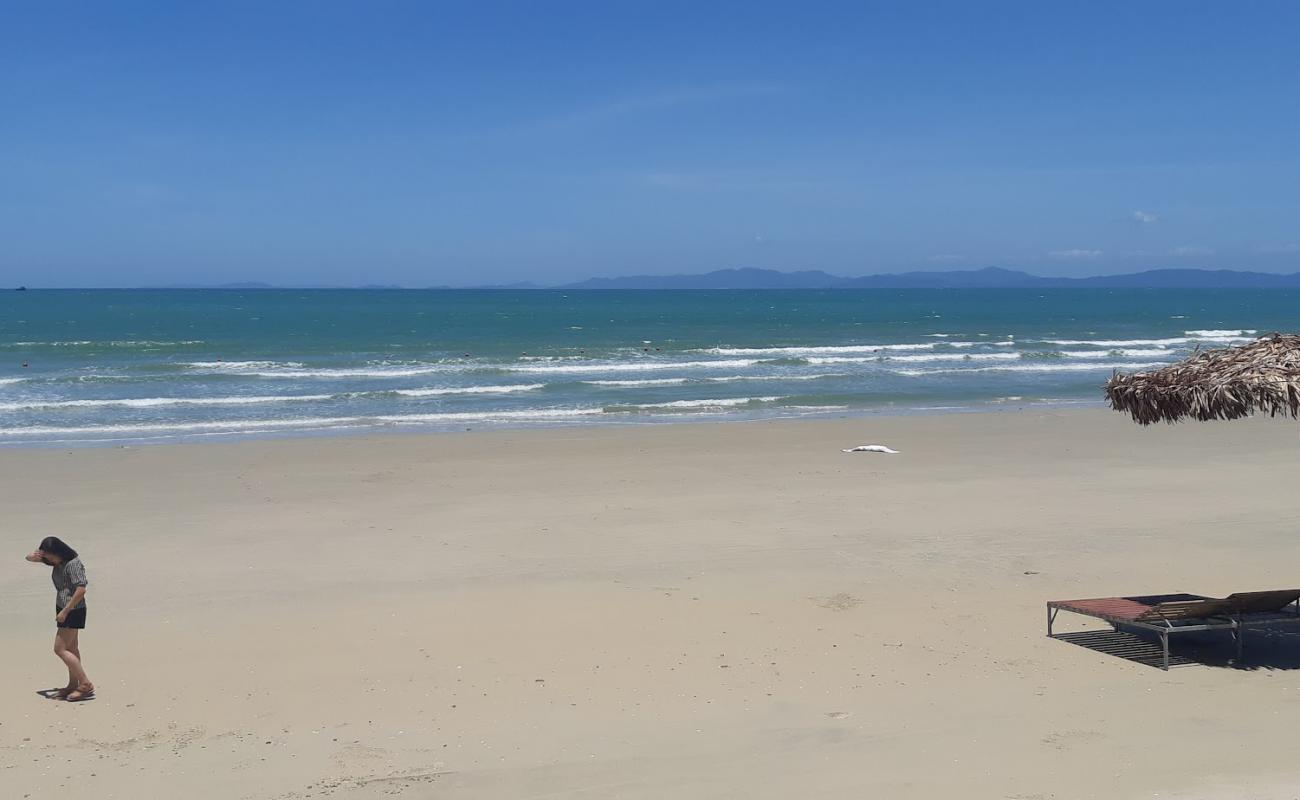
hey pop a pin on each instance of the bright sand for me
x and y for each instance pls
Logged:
(686, 611)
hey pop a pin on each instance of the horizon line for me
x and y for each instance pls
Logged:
(532, 286)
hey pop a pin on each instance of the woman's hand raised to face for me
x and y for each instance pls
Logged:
(36, 557)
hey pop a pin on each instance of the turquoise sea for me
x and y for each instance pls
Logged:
(120, 366)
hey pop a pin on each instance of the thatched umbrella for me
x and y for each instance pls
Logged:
(1226, 383)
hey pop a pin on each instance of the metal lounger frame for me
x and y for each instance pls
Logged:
(1165, 628)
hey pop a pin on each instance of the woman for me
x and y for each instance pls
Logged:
(70, 612)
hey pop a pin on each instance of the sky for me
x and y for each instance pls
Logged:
(432, 143)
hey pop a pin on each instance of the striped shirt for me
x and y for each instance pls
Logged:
(67, 577)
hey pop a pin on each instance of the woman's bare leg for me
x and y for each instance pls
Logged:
(67, 649)
(75, 647)
(59, 694)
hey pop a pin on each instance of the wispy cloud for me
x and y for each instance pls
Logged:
(1191, 250)
(947, 258)
(1290, 248)
(1074, 253)
(1145, 217)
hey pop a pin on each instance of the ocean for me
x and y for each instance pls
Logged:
(85, 367)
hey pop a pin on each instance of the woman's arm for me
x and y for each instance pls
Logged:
(77, 597)
(36, 557)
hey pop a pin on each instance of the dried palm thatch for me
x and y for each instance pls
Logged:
(1225, 383)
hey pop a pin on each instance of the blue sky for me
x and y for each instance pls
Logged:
(432, 143)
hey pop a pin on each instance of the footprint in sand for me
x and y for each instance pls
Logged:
(357, 753)
(839, 602)
(185, 738)
(1064, 739)
(146, 739)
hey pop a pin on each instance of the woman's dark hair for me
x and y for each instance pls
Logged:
(58, 547)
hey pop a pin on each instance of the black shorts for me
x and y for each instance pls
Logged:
(76, 619)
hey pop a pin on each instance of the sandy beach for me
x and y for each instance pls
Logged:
(692, 611)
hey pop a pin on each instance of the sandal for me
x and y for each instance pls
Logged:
(62, 694)
(84, 692)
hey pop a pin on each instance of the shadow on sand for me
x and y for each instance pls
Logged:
(1268, 645)
(48, 694)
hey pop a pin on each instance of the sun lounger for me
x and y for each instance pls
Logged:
(1265, 602)
(1170, 614)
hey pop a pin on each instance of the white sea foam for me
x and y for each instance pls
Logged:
(1008, 343)
(956, 357)
(506, 389)
(847, 359)
(48, 344)
(242, 366)
(180, 427)
(1124, 353)
(549, 358)
(331, 374)
(7, 381)
(257, 425)
(1168, 342)
(916, 358)
(779, 352)
(637, 366)
(814, 408)
(89, 343)
(644, 382)
(151, 402)
(1112, 343)
(1217, 334)
(291, 370)
(650, 382)
(1085, 367)
(487, 416)
(727, 402)
(818, 376)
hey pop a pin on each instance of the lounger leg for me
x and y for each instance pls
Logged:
(1164, 642)
(1051, 617)
(1240, 633)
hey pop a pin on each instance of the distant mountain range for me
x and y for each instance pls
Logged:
(987, 278)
